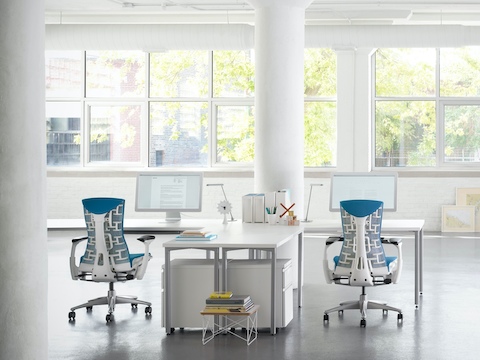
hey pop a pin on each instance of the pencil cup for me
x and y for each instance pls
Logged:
(272, 219)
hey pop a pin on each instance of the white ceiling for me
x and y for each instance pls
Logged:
(320, 12)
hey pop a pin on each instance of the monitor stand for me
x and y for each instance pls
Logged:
(173, 216)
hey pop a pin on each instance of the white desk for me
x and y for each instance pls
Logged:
(256, 239)
(388, 226)
(236, 236)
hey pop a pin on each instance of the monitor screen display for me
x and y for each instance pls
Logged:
(369, 186)
(172, 193)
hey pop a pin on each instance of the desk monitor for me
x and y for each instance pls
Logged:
(370, 186)
(169, 192)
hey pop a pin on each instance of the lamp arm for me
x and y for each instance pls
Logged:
(308, 205)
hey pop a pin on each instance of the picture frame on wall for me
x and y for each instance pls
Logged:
(458, 218)
(470, 196)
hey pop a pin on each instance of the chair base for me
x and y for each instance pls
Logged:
(363, 304)
(111, 300)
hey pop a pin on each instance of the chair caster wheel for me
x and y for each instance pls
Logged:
(134, 306)
(400, 316)
(148, 310)
(89, 308)
(363, 323)
(325, 317)
(71, 315)
(109, 317)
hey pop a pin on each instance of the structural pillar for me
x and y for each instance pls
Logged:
(23, 225)
(279, 100)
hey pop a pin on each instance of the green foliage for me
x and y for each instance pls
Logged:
(179, 73)
(405, 133)
(233, 73)
(406, 130)
(460, 71)
(320, 72)
(320, 117)
(236, 137)
(405, 72)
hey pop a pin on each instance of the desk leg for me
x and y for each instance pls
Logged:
(300, 269)
(421, 263)
(216, 275)
(168, 294)
(224, 270)
(417, 268)
(273, 327)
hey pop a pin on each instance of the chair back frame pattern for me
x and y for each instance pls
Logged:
(362, 254)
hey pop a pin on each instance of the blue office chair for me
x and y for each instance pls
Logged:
(362, 260)
(106, 257)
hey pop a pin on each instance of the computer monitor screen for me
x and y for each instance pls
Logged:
(171, 193)
(370, 186)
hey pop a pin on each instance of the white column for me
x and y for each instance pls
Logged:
(363, 118)
(354, 127)
(279, 129)
(23, 237)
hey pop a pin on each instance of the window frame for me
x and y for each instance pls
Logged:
(440, 103)
(145, 101)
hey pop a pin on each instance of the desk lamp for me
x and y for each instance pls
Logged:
(309, 198)
(224, 206)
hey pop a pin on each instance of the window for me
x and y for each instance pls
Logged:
(178, 134)
(179, 74)
(233, 73)
(115, 74)
(320, 115)
(114, 133)
(63, 133)
(173, 108)
(63, 74)
(235, 141)
(427, 106)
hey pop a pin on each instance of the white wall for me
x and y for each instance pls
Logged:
(418, 197)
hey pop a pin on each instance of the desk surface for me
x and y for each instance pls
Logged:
(388, 225)
(242, 235)
(156, 225)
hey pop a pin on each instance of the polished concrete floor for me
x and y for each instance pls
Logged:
(447, 325)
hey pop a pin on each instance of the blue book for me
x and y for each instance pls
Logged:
(196, 238)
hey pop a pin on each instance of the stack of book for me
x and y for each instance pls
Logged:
(196, 235)
(227, 302)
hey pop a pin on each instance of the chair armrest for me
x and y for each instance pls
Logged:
(327, 272)
(73, 266)
(397, 271)
(333, 239)
(393, 241)
(146, 240)
(79, 238)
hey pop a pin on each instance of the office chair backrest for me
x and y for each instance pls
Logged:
(362, 252)
(104, 220)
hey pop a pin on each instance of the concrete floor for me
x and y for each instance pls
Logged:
(445, 327)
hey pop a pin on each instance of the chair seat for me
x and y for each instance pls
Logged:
(132, 258)
(388, 259)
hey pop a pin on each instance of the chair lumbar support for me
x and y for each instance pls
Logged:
(362, 261)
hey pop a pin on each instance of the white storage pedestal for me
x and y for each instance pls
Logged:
(252, 277)
(192, 281)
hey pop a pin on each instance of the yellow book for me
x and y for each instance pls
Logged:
(221, 295)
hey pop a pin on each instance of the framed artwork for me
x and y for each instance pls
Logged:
(470, 196)
(458, 218)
